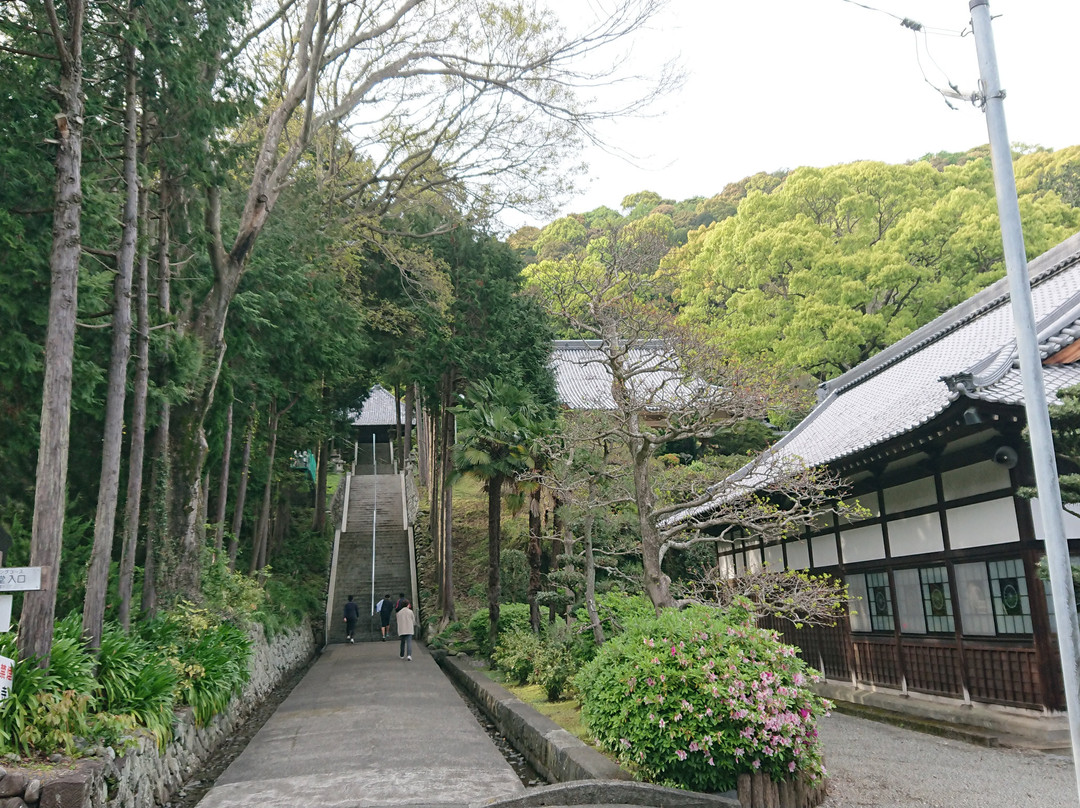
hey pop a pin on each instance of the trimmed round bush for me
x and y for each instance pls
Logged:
(693, 698)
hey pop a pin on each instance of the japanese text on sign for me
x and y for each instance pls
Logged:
(20, 579)
(7, 676)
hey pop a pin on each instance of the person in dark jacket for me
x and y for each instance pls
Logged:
(352, 613)
(385, 610)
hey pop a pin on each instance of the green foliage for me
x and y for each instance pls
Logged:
(550, 660)
(836, 263)
(516, 653)
(511, 616)
(557, 661)
(514, 576)
(694, 698)
(137, 681)
(69, 661)
(230, 594)
(210, 657)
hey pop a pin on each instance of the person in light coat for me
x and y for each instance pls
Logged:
(406, 623)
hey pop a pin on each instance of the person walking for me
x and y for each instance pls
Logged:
(352, 614)
(406, 623)
(384, 609)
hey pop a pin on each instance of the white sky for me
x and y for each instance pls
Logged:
(784, 83)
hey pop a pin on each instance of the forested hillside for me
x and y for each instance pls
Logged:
(817, 269)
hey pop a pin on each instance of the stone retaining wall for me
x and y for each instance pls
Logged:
(142, 777)
(553, 751)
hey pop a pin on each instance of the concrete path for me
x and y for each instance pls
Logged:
(874, 765)
(366, 729)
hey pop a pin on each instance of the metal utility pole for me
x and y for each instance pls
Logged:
(1038, 415)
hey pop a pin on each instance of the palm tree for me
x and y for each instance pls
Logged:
(496, 425)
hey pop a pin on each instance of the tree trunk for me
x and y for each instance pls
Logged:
(179, 543)
(158, 504)
(46, 543)
(397, 426)
(444, 470)
(657, 584)
(406, 443)
(318, 523)
(262, 524)
(223, 485)
(97, 575)
(138, 430)
(241, 494)
(159, 500)
(535, 530)
(262, 532)
(590, 580)
(494, 491)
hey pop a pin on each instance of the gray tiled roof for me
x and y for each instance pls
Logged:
(906, 385)
(583, 379)
(968, 351)
(378, 409)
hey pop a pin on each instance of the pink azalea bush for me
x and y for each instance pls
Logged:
(693, 698)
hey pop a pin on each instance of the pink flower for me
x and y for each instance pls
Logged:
(663, 723)
(791, 766)
(680, 754)
(756, 763)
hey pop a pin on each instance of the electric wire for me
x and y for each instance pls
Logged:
(926, 31)
(907, 22)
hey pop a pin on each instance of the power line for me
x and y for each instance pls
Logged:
(907, 22)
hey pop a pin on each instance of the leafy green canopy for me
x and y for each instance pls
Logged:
(837, 263)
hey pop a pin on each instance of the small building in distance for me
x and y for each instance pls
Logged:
(928, 437)
(376, 418)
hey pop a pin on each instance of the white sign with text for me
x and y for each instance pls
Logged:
(20, 579)
(7, 676)
(5, 612)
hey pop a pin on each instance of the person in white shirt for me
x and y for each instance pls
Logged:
(406, 623)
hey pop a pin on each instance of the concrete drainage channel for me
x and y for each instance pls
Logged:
(529, 777)
(582, 776)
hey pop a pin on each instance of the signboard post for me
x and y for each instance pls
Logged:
(13, 579)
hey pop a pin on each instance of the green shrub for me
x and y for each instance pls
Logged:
(69, 661)
(516, 653)
(511, 616)
(694, 698)
(514, 576)
(214, 670)
(135, 680)
(556, 663)
(210, 658)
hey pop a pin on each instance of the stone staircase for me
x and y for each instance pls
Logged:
(383, 493)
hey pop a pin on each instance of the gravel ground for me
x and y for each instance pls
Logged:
(879, 765)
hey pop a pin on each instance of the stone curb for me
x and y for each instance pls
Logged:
(611, 793)
(550, 749)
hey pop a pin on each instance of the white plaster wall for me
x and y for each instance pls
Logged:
(824, 551)
(798, 555)
(1072, 523)
(975, 479)
(918, 534)
(983, 523)
(867, 501)
(774, 557)
(916, 494)
(862, 544)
